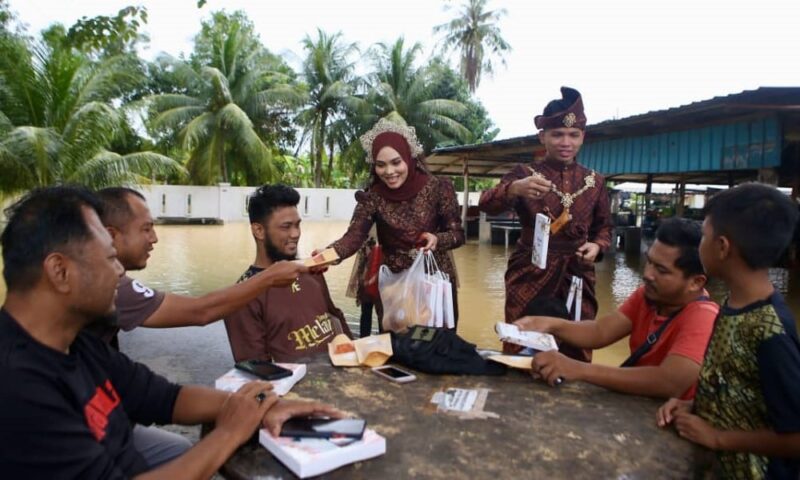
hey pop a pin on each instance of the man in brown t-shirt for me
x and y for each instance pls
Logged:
(128, 220)
(285, 323)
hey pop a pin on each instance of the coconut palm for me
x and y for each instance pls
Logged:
(217, 120)
(476, 35)
(398, 91)
(328, 72)
(58, 121)
(212, 128)
(402, 94)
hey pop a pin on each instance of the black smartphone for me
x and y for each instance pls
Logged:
(264, 369)
(324, 427)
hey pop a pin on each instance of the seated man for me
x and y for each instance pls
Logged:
(282, 323)
(68, 398)
(128, 220)
(672, 297)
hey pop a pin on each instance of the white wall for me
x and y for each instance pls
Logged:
(229, 204)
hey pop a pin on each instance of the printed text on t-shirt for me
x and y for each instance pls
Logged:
(103, 402)
(309, 336)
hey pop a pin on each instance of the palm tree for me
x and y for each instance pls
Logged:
(403, 95)
(58, 122)
(214, 119)
(215, 131)
(475, 32)
(329, 75)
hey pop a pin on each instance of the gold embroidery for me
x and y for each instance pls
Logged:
(296, 286)
(569, 120)
(317, 333)
(567, 199)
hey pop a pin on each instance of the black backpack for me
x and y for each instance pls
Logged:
(440, 350)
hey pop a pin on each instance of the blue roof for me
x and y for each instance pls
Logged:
(737, 132)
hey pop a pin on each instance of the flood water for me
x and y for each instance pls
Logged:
(198, 259)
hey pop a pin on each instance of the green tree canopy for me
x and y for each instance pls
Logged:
(227, 107)
(402, 93)
(60, 119)
(328, 71)
(109, 36)
(475, 33)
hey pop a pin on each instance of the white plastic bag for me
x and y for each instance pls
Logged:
(444, 315)
(421, 295)
(449, 315)
(403, 296)
(433, 288)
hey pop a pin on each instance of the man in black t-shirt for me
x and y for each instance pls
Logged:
(68, 399)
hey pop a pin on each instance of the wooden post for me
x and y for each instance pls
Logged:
(648, 191)
(681, 197)
(768, 176)
(466, 196)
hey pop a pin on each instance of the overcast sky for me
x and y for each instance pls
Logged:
(626, 57)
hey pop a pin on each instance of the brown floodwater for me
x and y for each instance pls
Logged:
(197, 259)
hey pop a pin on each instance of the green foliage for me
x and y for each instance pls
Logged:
(402, 93)
(328, 71)
(228, 107)
(230, 110)
(475, 33)
(475, 184)
(6, 17)
(107, 36)
(446, 83)
(58, 122)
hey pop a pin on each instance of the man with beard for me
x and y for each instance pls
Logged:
(286, 323)
(669, 319)
(130, 224)
(68, 400)
(128, 220)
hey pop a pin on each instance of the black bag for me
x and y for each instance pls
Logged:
(440, 350)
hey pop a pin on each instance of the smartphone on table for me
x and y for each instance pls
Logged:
(264, 369)
(394, 374)
(322, 427)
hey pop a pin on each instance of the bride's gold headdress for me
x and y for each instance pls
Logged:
(386, 126)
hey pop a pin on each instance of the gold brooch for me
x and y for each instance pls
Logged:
(569, 120)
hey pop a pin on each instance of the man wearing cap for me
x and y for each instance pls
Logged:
(575, 199)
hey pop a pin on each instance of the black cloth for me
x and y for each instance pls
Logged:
(440, 351)
(69, 415)
(365, 324)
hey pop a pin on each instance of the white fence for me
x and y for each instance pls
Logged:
(229, 204)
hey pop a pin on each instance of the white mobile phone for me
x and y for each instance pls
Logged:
(394, 374)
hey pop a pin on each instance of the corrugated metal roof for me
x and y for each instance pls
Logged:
(494, 159)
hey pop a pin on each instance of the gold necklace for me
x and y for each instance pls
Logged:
(567, 199)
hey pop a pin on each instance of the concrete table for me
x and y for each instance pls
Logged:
(575, 431)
